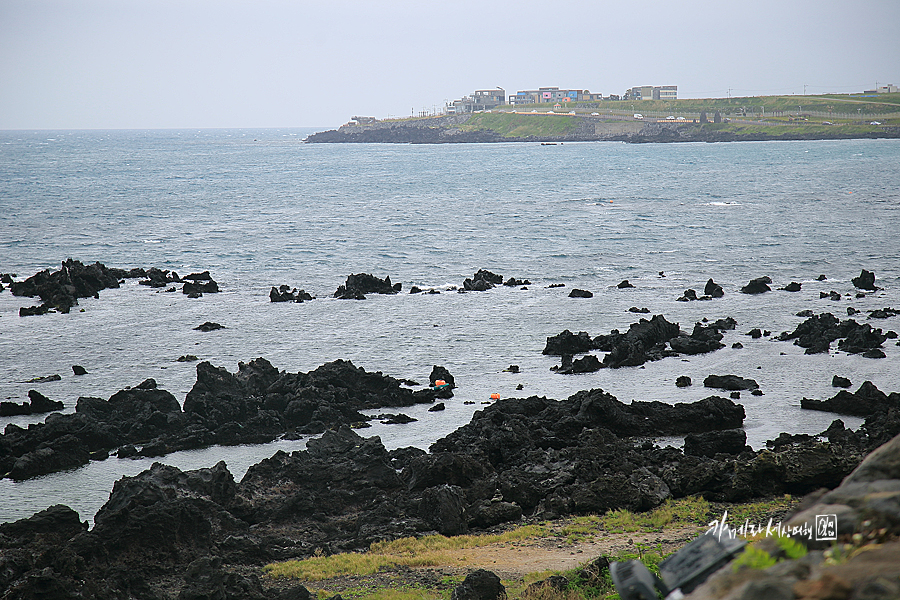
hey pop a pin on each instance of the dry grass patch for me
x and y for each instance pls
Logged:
(428, 551)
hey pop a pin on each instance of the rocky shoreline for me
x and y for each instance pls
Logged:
(168, 533)
(450, 129)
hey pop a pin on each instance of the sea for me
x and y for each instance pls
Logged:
(260, 208)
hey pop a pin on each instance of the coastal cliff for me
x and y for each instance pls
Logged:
(557, 128)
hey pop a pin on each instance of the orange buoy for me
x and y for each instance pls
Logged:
(439, 383)
(495, 396)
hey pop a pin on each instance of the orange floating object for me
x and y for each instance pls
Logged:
(495, 396)
(439, 383)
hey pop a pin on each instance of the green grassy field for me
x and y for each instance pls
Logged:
(849, 105)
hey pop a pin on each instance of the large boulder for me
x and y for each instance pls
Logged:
(479, 585)
(865, 281)
(443, 507)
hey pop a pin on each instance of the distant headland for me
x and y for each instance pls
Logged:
(823, 117)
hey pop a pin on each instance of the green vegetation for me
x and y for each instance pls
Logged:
(518, 126)
(428, 551)
(837, 104)
(805, 128)
(754, 557)
(388, 558)
(438, 550)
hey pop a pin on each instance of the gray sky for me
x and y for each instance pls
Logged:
(273, 63)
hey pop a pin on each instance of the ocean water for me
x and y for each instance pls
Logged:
(259, 208)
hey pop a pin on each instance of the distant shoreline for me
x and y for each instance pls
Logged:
(558, 128)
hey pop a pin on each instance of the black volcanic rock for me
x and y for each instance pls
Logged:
(713, 289)
(624, 284)
(585, 364)
(79, 370)
(61, 289)
(209, 326)
(757, 286)
(866, 401)
(198, 534)
(38, 404)
(644, 340)
(482, 280)
(513, 282)
(710, 443)
(284, 293)
(683, 381)
(199, 283)
(479, 585)
(159, 278)
(840, 382)
(576, 293)
(792, 287)
(730, 382)
(254, 405)
(817, 332)
(703, 339)
(865, 281)
(42, 404)
(358, 285)
(438, 372)
(568, 343)
(443, 508)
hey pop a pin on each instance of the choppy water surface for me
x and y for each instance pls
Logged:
(259, 208)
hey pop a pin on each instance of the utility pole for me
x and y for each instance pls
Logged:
(804, 89)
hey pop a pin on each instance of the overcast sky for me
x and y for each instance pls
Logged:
(102, 64)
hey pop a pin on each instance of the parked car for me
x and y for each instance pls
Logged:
(670, 118)
(595, 114)
(680, 119)
(638, 116)
(875, 123)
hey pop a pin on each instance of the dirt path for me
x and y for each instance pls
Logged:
(514, 561)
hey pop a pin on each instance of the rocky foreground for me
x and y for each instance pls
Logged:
(166, 533)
